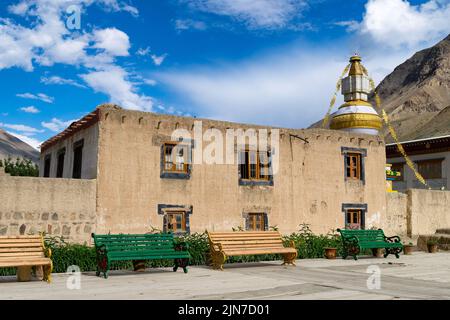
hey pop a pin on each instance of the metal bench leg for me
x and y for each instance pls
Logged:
(218, 259)
(289, 258)
(48, 272)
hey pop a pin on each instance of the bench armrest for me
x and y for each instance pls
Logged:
(101, 249)
(352, 239)
(213, 245)
(47, 250)
(183, 245)
(291, 244)
(392, 239)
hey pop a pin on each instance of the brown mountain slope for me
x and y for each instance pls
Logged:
(11, 146)
(417, 93)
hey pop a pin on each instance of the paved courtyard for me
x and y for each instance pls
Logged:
(419, 276)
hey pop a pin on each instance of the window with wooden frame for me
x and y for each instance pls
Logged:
(255, 165)
(353, 166)
(175, 221)
(175, 157)
(430, 169)
(353, 219)
(256, 222)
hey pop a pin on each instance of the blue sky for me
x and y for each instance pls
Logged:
(271, 62)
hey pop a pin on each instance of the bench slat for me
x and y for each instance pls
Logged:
(8, 263)
(21, 254)
(12, 249)
(21, 245)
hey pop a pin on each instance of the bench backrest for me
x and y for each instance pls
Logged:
(135, 242)
(364, 235)
(21, 247)
(246, 239)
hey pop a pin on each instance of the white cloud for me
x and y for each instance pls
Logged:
(351, 25)
(30, 109)
(39, 96)
(29, 140)
(20, 8)
(397, 23)
(113, 41)
(60, 81)
(158, 60)
(115, 5)
(143, 51)
(24, 129)
(150, 82)
(115, 83)
(56, 125)
(268, 14)
(42, 39)
(186, 24)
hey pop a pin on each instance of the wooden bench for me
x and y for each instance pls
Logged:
(24, 252)
(135, 247)
(354, 241)
(226, 244)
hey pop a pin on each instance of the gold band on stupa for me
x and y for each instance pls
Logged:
(356, 120)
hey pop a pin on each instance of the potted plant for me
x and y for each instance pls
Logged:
(408, 248)
(330, 252)
(432, 245)
(378, 252)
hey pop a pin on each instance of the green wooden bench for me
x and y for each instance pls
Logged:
(354, 241)
(123, 247)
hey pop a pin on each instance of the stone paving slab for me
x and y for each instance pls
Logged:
(419, 276)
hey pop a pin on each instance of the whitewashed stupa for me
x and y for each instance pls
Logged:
(356, 114)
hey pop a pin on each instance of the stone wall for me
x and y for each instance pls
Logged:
(396, 221)
(428, 210)
(417, 212)
(61, 207)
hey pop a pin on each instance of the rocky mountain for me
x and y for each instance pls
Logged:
(11, 146)
(416, 95)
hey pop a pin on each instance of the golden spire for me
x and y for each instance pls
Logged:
(355, 67)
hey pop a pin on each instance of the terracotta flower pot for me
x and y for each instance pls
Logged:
(139, 265)
(378, 252)
(330, 253)
(432, 248)
(407, 249)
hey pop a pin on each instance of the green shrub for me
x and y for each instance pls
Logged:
(20, 167)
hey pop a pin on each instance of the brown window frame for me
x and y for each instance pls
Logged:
(253, 224)
(173, 214)
(425, 174)
(353, 169)
(350, 215)
(251, 169)
(174, 168)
